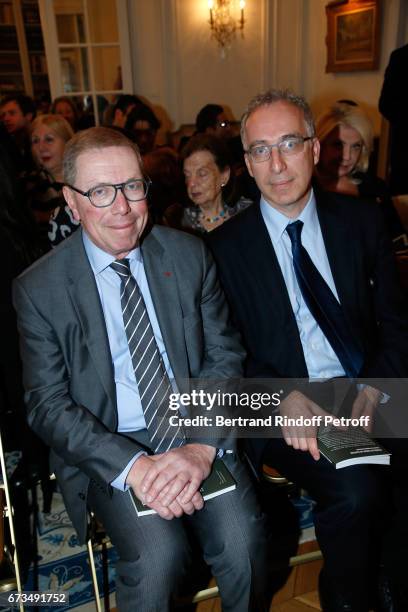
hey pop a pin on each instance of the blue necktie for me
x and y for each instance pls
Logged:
(323, 305)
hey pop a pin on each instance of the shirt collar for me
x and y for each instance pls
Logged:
(277, 221)
(99, 259)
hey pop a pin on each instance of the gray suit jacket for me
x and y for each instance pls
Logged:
(68, 369)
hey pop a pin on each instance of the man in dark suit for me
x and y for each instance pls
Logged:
(394, 108)
(86, 393)
(289, 334)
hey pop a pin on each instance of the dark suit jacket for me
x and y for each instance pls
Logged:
(363, 269)
(393, 105)
(68, 370)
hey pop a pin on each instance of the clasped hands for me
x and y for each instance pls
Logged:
(169, 483)
(297, 405)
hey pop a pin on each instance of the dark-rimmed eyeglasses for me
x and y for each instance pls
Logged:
(286, 147)
(104, 195)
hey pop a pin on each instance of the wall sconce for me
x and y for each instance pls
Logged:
(222, 23)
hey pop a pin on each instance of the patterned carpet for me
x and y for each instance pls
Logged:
(63, 564)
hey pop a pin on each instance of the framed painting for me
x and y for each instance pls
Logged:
(353, 35)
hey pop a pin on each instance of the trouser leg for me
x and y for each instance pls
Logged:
(232, 532)
(348, 508)
(395, 545)
(154, 554)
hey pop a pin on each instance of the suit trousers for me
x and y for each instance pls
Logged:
(155, 554)
(395, 536)
(349, 508)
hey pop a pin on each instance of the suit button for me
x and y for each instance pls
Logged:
(81, 495)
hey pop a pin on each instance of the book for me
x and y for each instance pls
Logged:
(218, 482)
(351, 447)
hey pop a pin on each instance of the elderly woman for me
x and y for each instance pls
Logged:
(346, 142)
(207, 172)
(49, 135)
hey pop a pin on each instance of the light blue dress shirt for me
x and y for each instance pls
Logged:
(130, 412)
(321, 360)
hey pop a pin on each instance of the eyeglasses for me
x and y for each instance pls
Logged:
(286, 147)
(102, 196)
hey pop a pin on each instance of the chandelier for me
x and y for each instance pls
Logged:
(222, 23)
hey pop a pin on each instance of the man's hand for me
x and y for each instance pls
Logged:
(366, 404)
(175, 509)
(169, 483)
(294, 406)
(178, 474)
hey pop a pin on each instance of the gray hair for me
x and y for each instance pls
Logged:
(94, 138)
(278, 95)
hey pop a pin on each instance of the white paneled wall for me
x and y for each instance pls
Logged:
(177, 65)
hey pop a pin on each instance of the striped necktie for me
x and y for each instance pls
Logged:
(152, 380)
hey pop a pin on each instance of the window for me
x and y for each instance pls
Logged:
(87, 47)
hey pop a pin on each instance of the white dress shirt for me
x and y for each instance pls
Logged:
(321, 360)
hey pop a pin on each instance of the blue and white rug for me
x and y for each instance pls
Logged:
(63, 564)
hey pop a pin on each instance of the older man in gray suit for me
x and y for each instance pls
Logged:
(86, 396)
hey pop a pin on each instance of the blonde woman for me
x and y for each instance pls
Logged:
(346, 142)
(49, 135)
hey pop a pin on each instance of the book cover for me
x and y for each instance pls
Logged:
(218, 482)
(351, 447)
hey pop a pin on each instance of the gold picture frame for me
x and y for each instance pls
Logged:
(353, 35)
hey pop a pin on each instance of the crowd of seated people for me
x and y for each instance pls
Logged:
(195, 189)
(38, 144)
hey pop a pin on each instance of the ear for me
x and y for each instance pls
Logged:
(71, 201)
(316, 150)
(248, 164)
(225, 176)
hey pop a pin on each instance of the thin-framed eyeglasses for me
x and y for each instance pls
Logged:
(291, 145)
(104, 195)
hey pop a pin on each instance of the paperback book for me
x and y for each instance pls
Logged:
(350, 447)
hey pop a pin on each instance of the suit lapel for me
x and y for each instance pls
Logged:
(265, 269)
(162, 280)
(339, 246)
(258, 250)
(86, 302)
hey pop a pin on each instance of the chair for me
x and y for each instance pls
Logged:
(303, 559)
(8, 553)
(98, 539)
